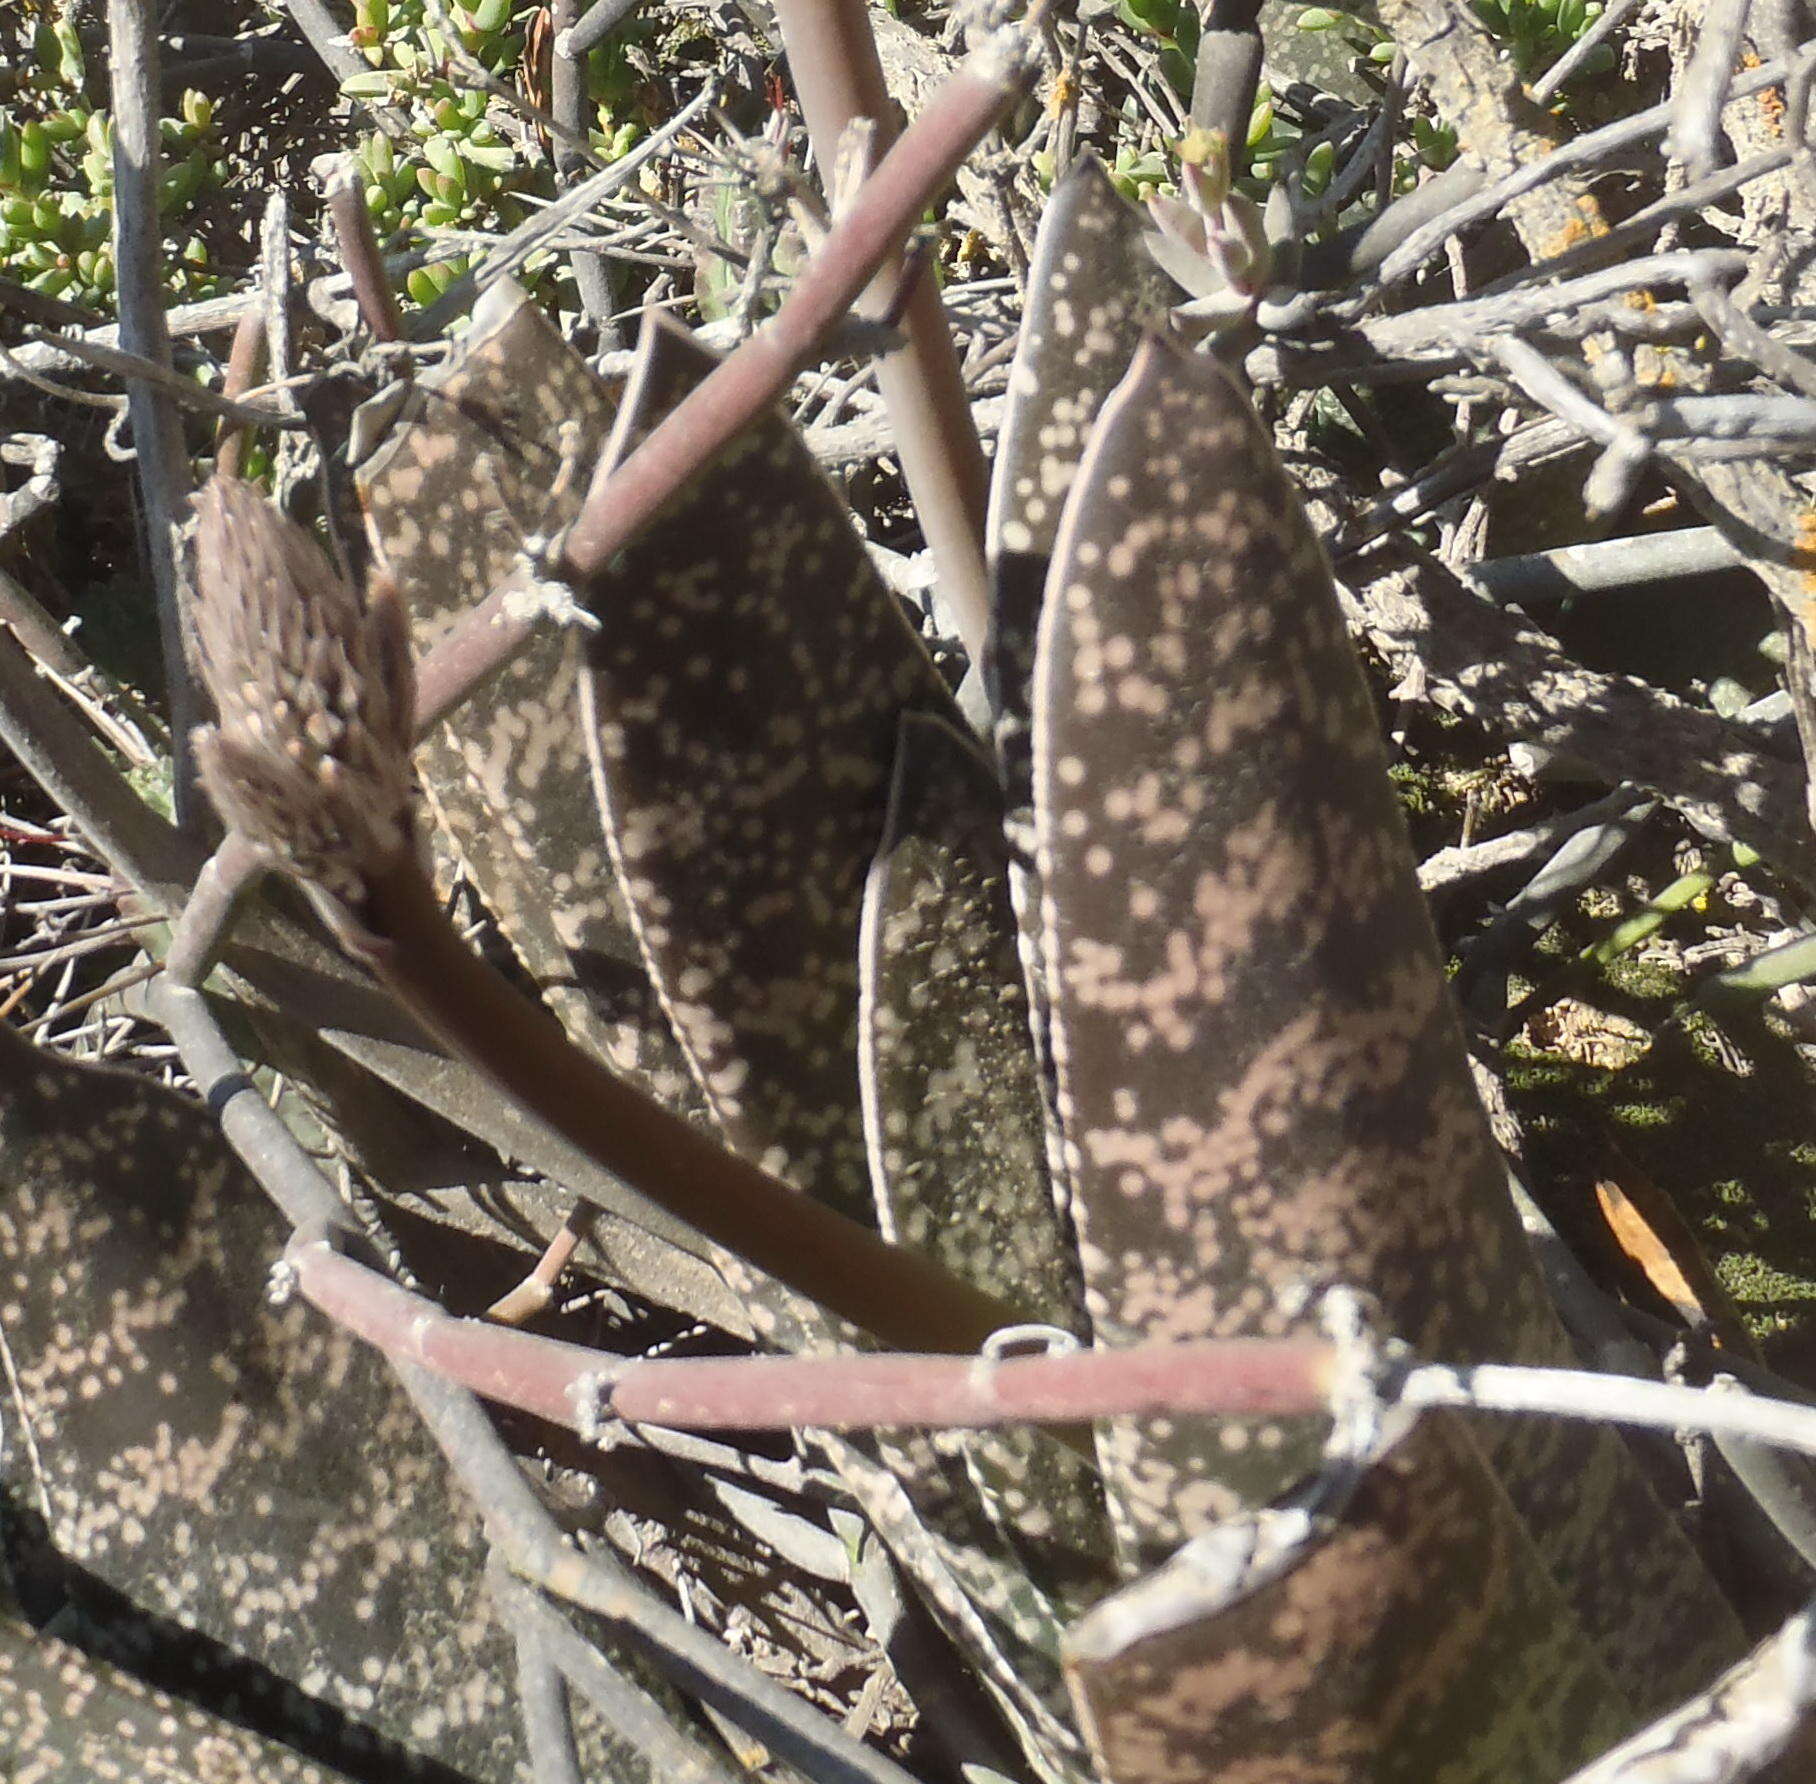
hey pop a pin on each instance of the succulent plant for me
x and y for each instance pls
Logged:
(1139, 1027)
(1539, 31)
(465, 164)
(1122, 1024)
(56, 180)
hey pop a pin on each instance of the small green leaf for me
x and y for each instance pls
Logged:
(34, 148)
(374, 85)
(442, 155)
(498, 157)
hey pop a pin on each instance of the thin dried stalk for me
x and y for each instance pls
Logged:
(832, 58)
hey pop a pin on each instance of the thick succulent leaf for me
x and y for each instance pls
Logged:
(951, 1096)
(747, 682)
(953, 1109)
(1091, 292)
(69, 1718)
(747, 678)
(1280, 1650)
(1263, 1089)
(246, 1471)
(490, 451)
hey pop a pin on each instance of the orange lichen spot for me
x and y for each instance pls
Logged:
(1064, 93)
(1655, 368)
(1641, 300)
(1771, 99)
(1585, 226)
(1563, 239)
(1803, 555)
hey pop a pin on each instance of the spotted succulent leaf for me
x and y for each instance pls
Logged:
(951, 1099)
(1247, 1017)
(69, 1717)
(482, 457)
(747, 682)
(952, 1107)
(1091, 292)
(1290, 1647)
(747, 677)
(1091, 295)
(245, 1471)
(1262, 1087)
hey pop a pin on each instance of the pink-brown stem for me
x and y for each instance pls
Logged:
(1237, 1377)
(622, 501)
(244, 365)
(530, 1296)
(838, 78)
(364, 264)
(571, 1385)
(900, 1295)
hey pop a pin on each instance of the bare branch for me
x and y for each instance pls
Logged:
(839, 79)
(162, 461)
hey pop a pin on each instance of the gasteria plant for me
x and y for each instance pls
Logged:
(1128, 1025)
(1236, 1082)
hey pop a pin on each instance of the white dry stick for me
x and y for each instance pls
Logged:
(274, 283)
(1615, 1399)
(1694, 136)
(1730, 1732)
(1625, 448)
